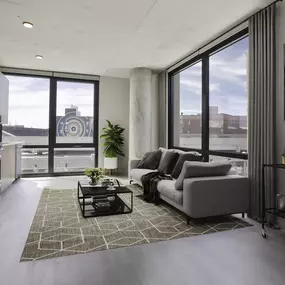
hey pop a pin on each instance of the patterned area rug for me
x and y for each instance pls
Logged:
(58, 228)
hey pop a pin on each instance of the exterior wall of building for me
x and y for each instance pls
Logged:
(219, 124)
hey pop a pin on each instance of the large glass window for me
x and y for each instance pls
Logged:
(74, 112)
(208, 101)
(69, 144)
(34, 160)
(28, 112)
(229, 98)
(240, 166)
(187, 86)
(73, 159)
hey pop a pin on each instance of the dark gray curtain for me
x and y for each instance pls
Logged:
(262, 86)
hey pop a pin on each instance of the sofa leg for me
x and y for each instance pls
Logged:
(242, 215)
(188, 221)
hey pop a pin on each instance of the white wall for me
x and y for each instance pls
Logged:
(4, 98)
(176, 112)
(114, 106)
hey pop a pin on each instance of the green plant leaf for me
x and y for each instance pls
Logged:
(114, 140)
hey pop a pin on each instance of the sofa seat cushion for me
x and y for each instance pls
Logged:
(137, 173)
(167, 189)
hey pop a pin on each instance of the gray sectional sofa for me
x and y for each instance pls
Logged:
(202, 196)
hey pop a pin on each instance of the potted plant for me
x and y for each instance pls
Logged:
(95, 174)
(114, 143)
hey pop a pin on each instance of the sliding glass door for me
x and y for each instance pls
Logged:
(57, 122)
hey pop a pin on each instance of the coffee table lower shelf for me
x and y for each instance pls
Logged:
(117, 207)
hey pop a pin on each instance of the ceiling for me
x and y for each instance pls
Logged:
(109, 37)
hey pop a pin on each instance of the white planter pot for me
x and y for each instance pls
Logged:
(110, 162)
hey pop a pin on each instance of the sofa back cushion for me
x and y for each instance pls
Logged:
(165, 150)
(163, 153)
(201, 169)
(168, 162)
(185, 156)
(150, 160)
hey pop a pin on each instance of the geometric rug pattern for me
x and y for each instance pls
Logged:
(58, 228)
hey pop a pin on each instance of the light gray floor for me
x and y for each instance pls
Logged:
(239, 257)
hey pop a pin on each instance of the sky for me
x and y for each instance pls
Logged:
(228, 82)
(29, 100)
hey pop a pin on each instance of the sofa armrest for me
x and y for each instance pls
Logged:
(218, 195)
(134, 163)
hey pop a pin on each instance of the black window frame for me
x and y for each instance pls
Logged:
(204, 57)
(52, 145)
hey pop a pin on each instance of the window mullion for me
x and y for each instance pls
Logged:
(52, 124)
(205, 107)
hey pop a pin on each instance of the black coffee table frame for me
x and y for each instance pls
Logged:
(117, 205)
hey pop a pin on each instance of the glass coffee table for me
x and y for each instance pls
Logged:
(97, 200)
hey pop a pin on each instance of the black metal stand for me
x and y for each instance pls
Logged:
(272, 211)
(118, 206)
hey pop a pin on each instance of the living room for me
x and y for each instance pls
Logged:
(141, 144)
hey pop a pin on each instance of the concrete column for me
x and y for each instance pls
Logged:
(155, 113)
(140, 136)
(162, 110)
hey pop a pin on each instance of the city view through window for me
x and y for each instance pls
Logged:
(74, 112)
(228, 102)
(28, 112)
(228, 98)
(29, 117)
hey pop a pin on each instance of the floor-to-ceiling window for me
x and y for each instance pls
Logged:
(208, 103)
(57, 122)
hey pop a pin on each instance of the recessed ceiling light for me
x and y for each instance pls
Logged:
(28, 25)
(39, 56)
